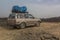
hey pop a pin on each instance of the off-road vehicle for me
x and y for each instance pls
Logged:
(21, 20)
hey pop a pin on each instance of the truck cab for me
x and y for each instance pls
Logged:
(21, 20)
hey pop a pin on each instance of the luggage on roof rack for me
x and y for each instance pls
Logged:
(17, 9)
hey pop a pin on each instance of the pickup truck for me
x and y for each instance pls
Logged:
(21, 20)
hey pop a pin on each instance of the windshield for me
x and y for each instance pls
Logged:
(28, 16)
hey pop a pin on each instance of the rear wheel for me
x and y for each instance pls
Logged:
(22, 25)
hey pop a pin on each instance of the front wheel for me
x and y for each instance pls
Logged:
(22, 25)
(38, 24)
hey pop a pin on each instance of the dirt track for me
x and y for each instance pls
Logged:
(46, 31)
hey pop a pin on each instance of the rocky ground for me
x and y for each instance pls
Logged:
(46, 31)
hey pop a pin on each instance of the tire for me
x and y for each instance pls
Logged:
(22, 25)
(38, 24)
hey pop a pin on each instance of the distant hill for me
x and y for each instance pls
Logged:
(53, 19)
(3, 19)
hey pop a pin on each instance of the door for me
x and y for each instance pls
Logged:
(29, 19)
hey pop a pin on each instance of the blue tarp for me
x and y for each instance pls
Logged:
(19, 9)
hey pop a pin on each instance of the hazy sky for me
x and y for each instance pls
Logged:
(39, 8)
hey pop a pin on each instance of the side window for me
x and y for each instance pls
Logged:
(22, 16)
(26, 16)
(18, 16)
